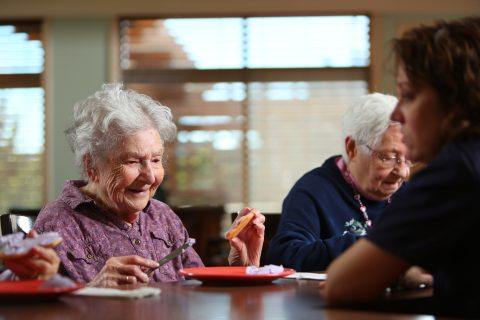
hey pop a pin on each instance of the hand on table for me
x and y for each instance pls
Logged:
(38, 262)
(414, 277)
(246, 247)
(123, 270)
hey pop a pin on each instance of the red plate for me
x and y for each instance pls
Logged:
(31, 289)
(231, 275)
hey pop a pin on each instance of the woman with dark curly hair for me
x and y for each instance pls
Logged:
(433, 223)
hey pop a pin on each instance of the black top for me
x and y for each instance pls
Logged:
(433, 223)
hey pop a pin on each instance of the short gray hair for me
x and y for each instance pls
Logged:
(367, 119)
(106, 117)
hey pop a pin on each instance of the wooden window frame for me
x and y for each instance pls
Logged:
(247, 75)
(35, 29)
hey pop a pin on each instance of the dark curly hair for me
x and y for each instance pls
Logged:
(446, 56)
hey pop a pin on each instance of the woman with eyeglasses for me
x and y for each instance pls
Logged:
(332, 206)
(434, 222)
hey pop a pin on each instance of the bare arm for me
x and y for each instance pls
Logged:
(362, 273)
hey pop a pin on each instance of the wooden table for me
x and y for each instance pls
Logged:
(284, 299)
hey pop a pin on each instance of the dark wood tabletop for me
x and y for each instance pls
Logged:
(284, 299)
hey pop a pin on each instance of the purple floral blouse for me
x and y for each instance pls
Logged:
(91, 235)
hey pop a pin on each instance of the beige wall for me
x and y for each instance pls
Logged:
(77, 65)
(80, 36)
(388, 27)
(89, 8)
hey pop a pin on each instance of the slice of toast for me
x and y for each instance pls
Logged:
(239, 226)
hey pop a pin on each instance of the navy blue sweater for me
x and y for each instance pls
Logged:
(316, 223)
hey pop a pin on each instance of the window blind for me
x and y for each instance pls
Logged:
(257, 100)
(22, 117)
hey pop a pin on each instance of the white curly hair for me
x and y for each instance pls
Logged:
(367, 119)
(106, 117)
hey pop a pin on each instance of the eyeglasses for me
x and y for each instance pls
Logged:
(389, 162)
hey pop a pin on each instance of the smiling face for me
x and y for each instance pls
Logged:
(371, 175)
(127, 180)
(418, 109)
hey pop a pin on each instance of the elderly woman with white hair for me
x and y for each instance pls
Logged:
(113, 231)
(330, 207)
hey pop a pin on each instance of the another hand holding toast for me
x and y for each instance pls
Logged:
(32, 257)
(246, 238)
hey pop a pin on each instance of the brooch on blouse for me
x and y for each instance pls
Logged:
(355, 227)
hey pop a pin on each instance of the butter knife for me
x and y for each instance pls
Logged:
(172, 255)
